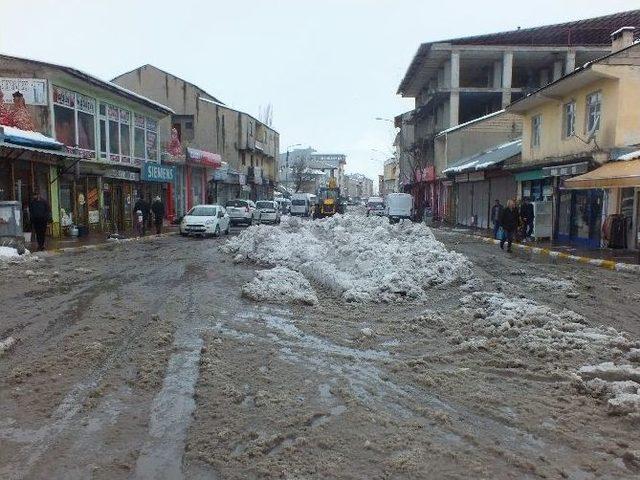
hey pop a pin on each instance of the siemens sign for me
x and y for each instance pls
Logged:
(153, 172)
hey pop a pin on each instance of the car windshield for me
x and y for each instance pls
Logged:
(376, 205)
(203, 212)
(236, 203)
(265, 205)
(298, 202)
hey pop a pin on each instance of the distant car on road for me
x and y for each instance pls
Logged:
(269, 211)
(205, 221)
(243, 211)
(375, 206)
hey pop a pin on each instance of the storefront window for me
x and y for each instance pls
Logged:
(65, 125)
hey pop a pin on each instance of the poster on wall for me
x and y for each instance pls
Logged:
(34, 90)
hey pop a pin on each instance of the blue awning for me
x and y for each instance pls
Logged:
(486, 159)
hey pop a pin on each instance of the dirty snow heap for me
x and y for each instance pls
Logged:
(361, 258)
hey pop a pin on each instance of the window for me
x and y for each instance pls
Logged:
(125, 136)
(536, 125)
(74, 119)
(569, 119)
(138, 137)
(151, 139)
(594, 103)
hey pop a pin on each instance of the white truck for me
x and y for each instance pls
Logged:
(301, 204)
(398, 206)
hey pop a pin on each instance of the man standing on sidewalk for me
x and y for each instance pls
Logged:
(526, 214)
(141, 209)
(40, 215)
(509, 223)
(157, 207)
(496, 212)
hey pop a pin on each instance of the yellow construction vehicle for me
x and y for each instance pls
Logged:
(328, 200)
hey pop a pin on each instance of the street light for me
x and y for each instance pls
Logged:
(382, 119)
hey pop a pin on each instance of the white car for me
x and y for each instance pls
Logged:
(243, 211)
(206, 220)
(269, 211)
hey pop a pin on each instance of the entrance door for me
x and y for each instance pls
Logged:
(117, 208)
(580, 217)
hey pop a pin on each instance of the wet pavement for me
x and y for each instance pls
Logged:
(143, 361)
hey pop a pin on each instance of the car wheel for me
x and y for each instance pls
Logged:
(227, 231)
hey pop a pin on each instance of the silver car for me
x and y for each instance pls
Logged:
(269, 211)
(242, 211)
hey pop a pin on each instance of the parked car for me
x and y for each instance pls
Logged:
(243, 211)
(269, 211)
(205, 220)
(398, 206)
(375, 206)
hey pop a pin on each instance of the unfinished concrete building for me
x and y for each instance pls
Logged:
(454, 81)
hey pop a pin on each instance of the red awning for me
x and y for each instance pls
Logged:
(202, 158)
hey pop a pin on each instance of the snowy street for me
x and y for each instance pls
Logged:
(358, 350)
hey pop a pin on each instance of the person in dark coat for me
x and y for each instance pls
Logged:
(526, 214)
(157, 207)
(40, 215)
(509, 223)
(496, 212)
(143, 207)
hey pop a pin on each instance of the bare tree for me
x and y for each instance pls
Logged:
(300, 173)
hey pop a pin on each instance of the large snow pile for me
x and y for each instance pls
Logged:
(362, 258)
(278, 285)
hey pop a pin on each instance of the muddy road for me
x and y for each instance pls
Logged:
(143, 361)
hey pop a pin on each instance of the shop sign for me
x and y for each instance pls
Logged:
(153, 172)
(257, 175)
(221, 174)
(206, 159)
(242, 179)
(564, 170)
(64, 97)
(34, 90)
(122, 175)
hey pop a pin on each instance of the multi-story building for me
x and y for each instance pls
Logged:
(390, 176)
(226, 153)
(111, 135)
(455, 81)
(586, 123)
(359, 186)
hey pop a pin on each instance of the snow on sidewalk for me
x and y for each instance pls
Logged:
(362, 258)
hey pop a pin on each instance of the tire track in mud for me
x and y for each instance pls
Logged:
(377, 391)
(67, 412)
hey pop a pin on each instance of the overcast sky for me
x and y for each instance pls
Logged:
(328, 67)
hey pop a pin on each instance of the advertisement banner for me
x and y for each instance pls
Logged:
(34, 90)
(202, 158)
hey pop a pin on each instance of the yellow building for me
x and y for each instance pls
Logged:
(572, 127)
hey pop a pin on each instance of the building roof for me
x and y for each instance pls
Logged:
(580, 77)
(117, 89)
(28, 138)
(594, 31)
(148, 65)
(485, 159)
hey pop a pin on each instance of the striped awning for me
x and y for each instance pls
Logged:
(610, 175)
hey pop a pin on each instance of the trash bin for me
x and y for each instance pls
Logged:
(11, 233)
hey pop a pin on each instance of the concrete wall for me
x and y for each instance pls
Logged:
(475, 138)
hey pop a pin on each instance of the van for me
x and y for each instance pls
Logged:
(301, 204)
(398, 206)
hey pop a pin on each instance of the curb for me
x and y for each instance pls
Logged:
(100, 246)
(596, 262)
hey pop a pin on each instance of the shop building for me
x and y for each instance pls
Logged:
(580, 128)
(108, 131)
(227, 153)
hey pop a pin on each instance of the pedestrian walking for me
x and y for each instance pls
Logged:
(509, 224)
(141, 213)
(526, 214)
(496, 212)
(157, 207)
(40, 215)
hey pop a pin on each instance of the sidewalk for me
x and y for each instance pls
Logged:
(615, 259)
(93, 240)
